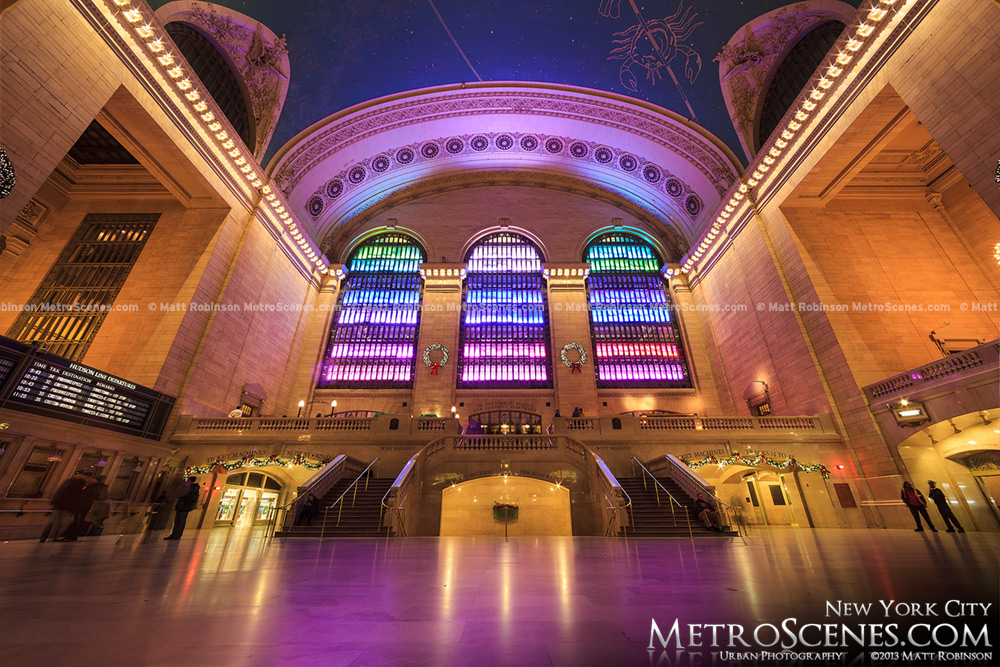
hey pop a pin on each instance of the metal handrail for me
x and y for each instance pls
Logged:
(732, 512)
(272, 520)
(340, 501)
(615, 510)
(608, 476)
(673, 501)
(397, 483)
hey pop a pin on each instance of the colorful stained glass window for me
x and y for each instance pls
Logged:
(637, 342)
(373, 340)
(504, 338)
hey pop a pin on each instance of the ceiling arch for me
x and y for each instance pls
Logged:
(632, 154)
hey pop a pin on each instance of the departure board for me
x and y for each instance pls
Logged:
(84, 391)
(46, 384)
(6, 366)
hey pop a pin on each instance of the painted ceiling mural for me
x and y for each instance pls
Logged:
(660, 51)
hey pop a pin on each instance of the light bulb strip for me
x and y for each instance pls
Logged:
(156, 41)
(870, 25)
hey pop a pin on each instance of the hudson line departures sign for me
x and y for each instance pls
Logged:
(42, 383)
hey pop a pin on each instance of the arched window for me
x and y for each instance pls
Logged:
(215, 72)
(794, 73)
(374, 335)
(637, 342)
(504, 336)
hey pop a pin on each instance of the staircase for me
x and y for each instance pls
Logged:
(652, 520)
(358, 520)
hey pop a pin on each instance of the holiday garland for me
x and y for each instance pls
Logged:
(255, 462)
(435, 367)
(756, 460)
(575, 365)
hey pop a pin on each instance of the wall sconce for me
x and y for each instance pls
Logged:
(302, 404)
(333, 407)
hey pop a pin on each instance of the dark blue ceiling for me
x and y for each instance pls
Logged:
(343, 53)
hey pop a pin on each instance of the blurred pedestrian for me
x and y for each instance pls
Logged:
(185, 503)
(63, 506)
(101, 508)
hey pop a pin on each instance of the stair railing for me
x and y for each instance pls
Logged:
(317, 485)
(390, 509)
(353, 489)
(693, 484)
(658, 487)
(617, 497)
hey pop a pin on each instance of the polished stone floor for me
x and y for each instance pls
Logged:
(232, 597)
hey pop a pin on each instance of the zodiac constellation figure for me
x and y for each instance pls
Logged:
(651, 45)
(610, 8)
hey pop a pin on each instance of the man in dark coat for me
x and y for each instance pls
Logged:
(187, 500)
(63, 506)
(83, 504)
(937, 495)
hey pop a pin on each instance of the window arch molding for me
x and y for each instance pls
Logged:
(643, 235)
(351, 248)
(520, 231)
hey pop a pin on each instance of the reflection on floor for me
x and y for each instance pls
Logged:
(231, 597)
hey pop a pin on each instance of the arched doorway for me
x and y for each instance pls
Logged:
(247, 499)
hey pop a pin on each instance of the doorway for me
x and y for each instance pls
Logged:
(248, 499)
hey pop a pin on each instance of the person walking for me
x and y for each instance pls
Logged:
(187, 500)
(63, 506)
(937, 495)
(914, 500)
(81, 509)
(101, 509)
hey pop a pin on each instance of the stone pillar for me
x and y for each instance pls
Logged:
(692, 323)
(440, 319)
(569, 322)
(312, 349)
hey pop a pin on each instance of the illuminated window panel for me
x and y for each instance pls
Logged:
(373, 341)
(637, 342)
(504, 337)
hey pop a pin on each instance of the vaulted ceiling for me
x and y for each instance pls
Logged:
(345, 53)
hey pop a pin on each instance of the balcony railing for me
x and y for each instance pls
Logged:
(949, 369)
(386, 428)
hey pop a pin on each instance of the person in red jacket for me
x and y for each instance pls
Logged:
(914, 500)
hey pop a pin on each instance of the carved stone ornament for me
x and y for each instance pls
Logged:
(260, 56)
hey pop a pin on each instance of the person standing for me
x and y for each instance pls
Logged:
(914, 500)
(63, 505)
(937, 495)
(187, 501)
